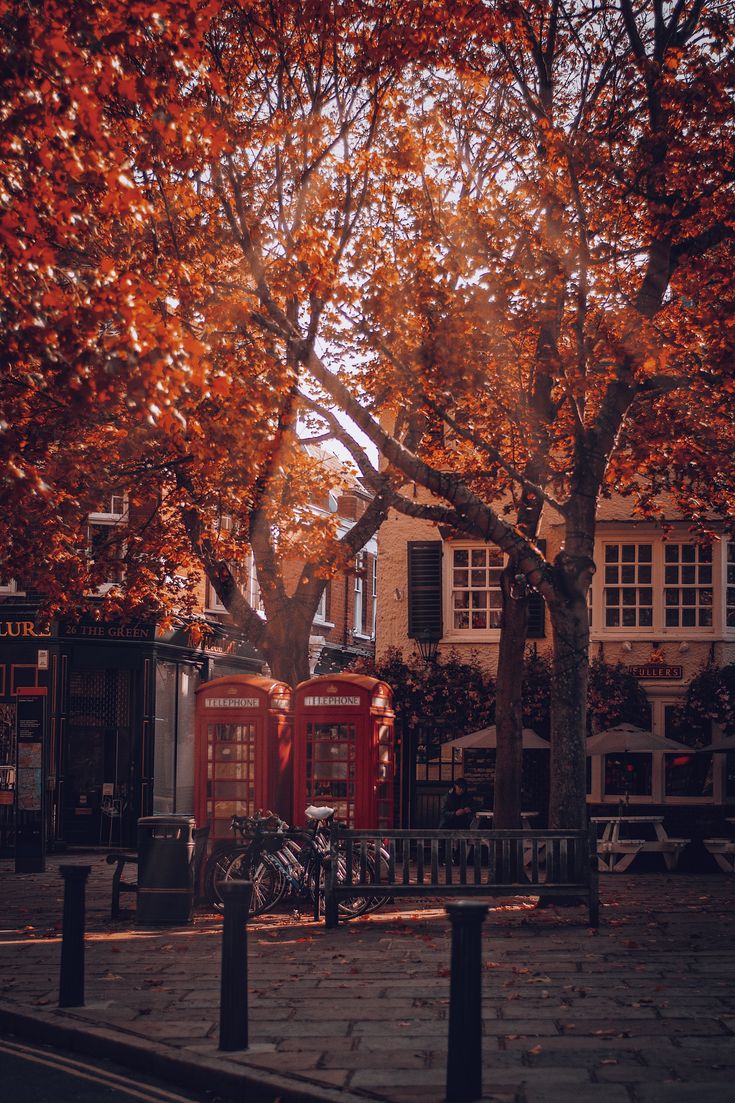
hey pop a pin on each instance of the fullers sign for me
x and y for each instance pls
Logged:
(319, 702)
(657, 670)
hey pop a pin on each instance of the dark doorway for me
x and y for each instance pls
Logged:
(98, 768)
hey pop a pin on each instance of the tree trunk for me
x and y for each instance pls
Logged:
(286, 648)
(570, 623)
(509, 707)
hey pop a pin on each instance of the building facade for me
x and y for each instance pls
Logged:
(661, 604)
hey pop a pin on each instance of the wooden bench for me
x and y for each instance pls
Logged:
(122, 858)
(402, 863)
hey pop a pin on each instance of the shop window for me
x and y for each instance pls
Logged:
(628, 585)
(476, 600)
(687, 586)
(164, 754)
(688, 774)
(173, 755)
(185, 742)
(628, 775)
(679, 726)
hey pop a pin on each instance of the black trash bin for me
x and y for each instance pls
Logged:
(165, 869)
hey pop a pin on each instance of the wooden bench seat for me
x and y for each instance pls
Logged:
(122, 858)
(414, 863)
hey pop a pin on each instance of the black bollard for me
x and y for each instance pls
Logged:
(464, 1057)
(71, 978)
(233, 1006)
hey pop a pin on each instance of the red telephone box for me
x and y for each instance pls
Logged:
(344, 748)
(243, 750)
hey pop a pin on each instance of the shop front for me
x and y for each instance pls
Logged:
(118, 732)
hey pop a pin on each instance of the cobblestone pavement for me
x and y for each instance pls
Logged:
(641, 1012)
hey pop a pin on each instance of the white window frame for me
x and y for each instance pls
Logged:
(682, 575)
(728, 587)
(374, 597)
(636, 575)
(212, 603)
(660, 701)
(451, 633)
(658, 629)
(359, 591)
(320, 616)
(250, 591)
(115, 516)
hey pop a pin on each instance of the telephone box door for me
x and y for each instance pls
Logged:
(343, 748)
(331, 765)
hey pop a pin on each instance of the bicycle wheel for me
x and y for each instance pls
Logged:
(349, 907)
(269, 884)
(214, 874)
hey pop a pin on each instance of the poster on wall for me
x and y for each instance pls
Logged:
(30, 768)
(30, 829)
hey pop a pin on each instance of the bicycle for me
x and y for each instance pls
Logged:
(281, 861)
(267, 883)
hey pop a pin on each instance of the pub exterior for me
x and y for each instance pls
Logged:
(119, 733)
(662, 604)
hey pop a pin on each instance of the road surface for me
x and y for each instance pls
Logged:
(39, 1074)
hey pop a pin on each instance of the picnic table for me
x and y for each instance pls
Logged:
(723, 850)
(616, 848)
(487, 814)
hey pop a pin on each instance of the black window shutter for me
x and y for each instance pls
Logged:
(536, 608)
(425, 587)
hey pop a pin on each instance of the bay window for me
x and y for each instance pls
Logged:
(688, 586)
(628, 589)
(656, 586)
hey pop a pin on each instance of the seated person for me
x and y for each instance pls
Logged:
(458, 807)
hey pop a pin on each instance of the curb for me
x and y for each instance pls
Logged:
(202, 1073)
